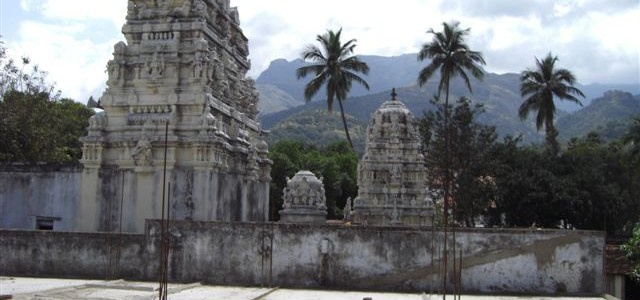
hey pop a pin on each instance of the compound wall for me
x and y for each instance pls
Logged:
(494, 261)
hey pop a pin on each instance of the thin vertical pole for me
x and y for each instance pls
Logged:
(121, 203)
(163, 276)
(118, 249)
(433, 249)
(447, 184)
(460, 276)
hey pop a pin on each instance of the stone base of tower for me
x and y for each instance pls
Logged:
(122, 199)
(388, 216)
(302, 215)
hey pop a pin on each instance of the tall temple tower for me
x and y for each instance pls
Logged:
(392, 173)
(181, 73)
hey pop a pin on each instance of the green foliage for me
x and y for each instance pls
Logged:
(336, 163)
(36, 126)
(591, 185)
(471, 157)
(334, 67)
(633, 138)
(632, 250)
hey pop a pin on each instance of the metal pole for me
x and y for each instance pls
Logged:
(163, 281)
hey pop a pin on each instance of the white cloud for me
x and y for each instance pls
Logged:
(80, 10)
(75, 65)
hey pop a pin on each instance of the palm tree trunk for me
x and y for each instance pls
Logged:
(446, 189)
(551, 137)
(344, 122)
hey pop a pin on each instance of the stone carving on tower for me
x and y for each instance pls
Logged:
(304, 199)
(180, 75)
(392, 173)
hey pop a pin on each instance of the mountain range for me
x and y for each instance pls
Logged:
(282, 104)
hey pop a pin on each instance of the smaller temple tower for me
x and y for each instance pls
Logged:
(304, 199)
(392, 172)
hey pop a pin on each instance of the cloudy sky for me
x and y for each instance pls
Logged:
(596, 39)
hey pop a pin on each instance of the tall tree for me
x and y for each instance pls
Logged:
(633, 137)
(333, 64)
(539, 87)
(35, 124)
(472, 157)
(23, 77)
(449, 54)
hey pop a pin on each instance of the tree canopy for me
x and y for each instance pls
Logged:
(36, 125)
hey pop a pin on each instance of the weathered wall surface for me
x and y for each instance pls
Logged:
(76, 255)
(46, 191)
(322, 256)
(123, 200)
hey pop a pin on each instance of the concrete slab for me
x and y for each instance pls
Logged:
(53, 289)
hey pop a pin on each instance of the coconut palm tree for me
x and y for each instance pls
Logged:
(539, 87)
(451, 56)
(335, 66)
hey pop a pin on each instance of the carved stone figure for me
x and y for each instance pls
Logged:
(396, 172)
(199, 61)
(144, 11)
(155, 67)
(221, 85)
(199, 8)
(207, 121)
(223, 24)
(142, 154)
(252, 162)
(131, 9)
(114, 69)
(182, 10)
(346, 212)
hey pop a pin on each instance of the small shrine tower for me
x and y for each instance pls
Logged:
(392, 173)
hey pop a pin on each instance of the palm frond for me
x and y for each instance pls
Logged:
(528, 105)
(353, 77)
(335, 69)
(354, 64)
(314, 54)
(312, 88)
(541, 85)
(305, 70)
(428, 71)
(450, 54)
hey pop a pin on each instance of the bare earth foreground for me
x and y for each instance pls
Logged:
(46, 288)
